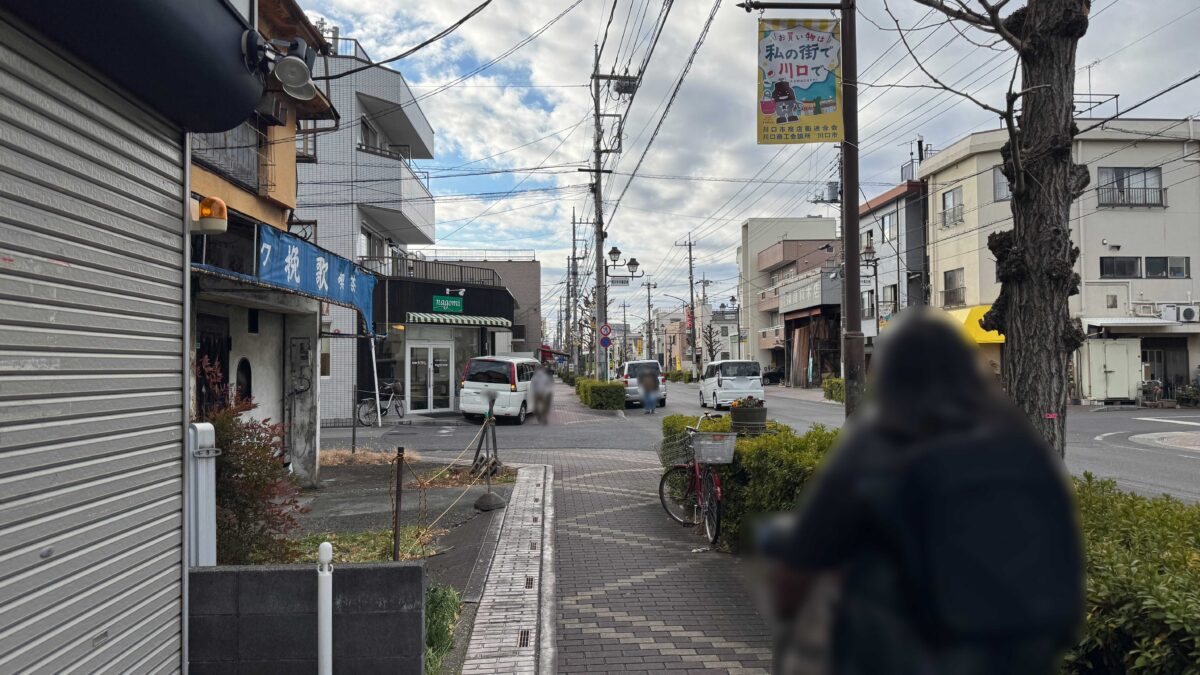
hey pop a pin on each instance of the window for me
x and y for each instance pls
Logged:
(739, 369)
(1000, 191)
(369, 136)
(1111, 301)
(887, 226)
(244, 380)
(326, 369)
(887, 300)
(952, 207)
(954, 288)
(252, 321)
(1120, 267)
(868, 239)
(724, 356)
(868, 304)
(488, 371)
(1173, 267)
(1130, 186)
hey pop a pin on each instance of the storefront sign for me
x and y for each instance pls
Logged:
(447, 304)
(289, 262)
(799, 81)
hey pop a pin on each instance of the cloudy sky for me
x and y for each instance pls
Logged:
(522, 126)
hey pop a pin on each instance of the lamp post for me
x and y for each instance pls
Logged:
(869, 259)
(614, 255)
(737, 317)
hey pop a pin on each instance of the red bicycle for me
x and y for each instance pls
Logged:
(690, 490)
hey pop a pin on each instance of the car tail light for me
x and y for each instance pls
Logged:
(512, 377)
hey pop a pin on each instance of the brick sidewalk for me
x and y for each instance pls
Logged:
(632, 596)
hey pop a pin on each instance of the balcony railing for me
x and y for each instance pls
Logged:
(868, 311)
(412, 268)
(241, 155)
(954, 297)
(951, 216)
(1120, 196)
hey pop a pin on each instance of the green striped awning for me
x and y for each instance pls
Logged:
(459, 319)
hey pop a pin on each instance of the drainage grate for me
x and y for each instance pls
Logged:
(528, 582)
(532, 546)
(523, 638)
(535, 519)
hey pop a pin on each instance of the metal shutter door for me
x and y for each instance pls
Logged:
(91, 321)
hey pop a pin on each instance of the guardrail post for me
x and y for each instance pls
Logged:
(325, 609)
(202, 456)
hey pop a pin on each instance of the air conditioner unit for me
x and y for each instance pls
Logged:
(1189, 313)
(1144, 309)
(1169, 313)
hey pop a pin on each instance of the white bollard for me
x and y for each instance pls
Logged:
(325, 609)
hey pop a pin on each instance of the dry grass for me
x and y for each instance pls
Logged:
(457, 476)
(343, 457)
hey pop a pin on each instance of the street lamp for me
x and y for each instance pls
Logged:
(614, 254)
(737, 317)
(869, 259)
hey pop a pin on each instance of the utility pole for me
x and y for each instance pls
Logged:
(625, 331)
(572, 300)
(649, 321)
(704, 282)
(692, 295)
(852, 336)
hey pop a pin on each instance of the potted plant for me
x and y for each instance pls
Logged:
(748, 414)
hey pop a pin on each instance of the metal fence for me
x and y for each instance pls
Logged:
(413, 268)
(1123, 196)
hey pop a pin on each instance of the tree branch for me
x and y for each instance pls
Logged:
(962, 13)
(997, 23)
(931, 76)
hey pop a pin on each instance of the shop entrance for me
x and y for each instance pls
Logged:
(430, 382)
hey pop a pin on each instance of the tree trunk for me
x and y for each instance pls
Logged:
(1035, 261)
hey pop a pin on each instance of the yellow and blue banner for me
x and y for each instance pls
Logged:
(799, 81)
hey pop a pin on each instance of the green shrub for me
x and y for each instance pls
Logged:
(834, 388)
(442, 607)
(1143, 583)
(601, 395)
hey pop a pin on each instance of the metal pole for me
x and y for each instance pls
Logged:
(692, 303)
(571, 300)
(853, 337)
(396, 511)
(598, 222)
(649, 323)
(325, 609)
(625, 331)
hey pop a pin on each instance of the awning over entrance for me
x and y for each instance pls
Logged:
(1128, 322)
(458, 319)
(969, 318)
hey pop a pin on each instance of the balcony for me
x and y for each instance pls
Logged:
(951, 216)
(954, 297)
(868, 311)
(1122, 196)
(771, 338)
(400, 203)
(789, 251)
(768, 301)
(429, 270)
(240, 155)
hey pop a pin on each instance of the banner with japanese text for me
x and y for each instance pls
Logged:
(290, 262)
(799, 81)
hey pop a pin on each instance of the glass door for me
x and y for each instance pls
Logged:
(441, 377)
(418, 379)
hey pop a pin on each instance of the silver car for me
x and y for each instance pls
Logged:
(632, 370)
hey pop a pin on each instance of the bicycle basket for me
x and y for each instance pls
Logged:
(714, 448)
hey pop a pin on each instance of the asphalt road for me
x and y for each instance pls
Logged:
(1117, 444)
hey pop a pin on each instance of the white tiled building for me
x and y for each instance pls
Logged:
(361, 198)
(1137, 227)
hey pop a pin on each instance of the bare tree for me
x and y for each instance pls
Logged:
(1035, 261)
(711, 337)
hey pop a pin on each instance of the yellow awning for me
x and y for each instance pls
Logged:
(969, 318)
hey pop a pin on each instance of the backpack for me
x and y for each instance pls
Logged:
(977, 558)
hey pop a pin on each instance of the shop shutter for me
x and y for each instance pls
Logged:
(91, 359)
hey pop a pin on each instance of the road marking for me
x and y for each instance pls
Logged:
(1104, 436)
(1190, 456)
(1167, 421)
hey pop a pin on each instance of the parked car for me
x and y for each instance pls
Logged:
(507, 377)
(772, 376)
(724, 382)
(632, 370)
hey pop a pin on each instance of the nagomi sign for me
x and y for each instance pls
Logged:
(799, 81)
(447, 304)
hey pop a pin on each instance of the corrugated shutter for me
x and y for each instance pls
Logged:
(91, 321)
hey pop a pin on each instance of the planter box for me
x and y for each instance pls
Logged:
(749, 420)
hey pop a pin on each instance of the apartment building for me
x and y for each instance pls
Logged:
(521, 273)
(725, 327)
(892, 235)
(361, 198)
(1137, 229)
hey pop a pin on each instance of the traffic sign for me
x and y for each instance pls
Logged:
(605, 330)
(606, 341)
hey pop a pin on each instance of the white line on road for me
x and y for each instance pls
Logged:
(1167, 421)
(1104, 436)
(1190, 456)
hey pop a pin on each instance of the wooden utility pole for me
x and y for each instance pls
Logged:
(692, 302)
(649, 321)
(852, 336)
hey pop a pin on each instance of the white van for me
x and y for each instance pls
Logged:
(507, 377)
(724, 382)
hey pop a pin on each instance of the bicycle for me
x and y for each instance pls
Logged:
(368, 413)
(690, 490)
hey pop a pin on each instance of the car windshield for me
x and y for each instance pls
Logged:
(636, 370)
(740, 369)
(492, 372)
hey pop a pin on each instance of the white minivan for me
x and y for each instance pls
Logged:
(507, 377)
(724, 382)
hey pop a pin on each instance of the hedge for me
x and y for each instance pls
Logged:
(1142, 554)
(601, 395)
(834, 388)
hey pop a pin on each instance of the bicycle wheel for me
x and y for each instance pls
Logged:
(678, 495)
(712, 508)
(367, 412)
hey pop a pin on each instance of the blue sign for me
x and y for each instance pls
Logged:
(606, 342)
(290, 262)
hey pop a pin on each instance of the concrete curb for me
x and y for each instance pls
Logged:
(548, 607)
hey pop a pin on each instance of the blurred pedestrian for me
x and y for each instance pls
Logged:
(940, 534)
(648, 386)
(542, 388)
